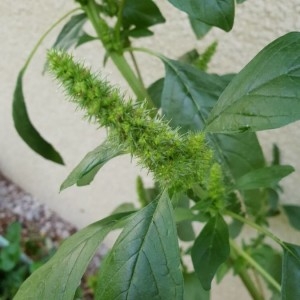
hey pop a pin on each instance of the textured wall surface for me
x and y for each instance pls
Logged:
(257, 23)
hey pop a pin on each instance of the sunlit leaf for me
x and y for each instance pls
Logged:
(265, 94)
(144, 262)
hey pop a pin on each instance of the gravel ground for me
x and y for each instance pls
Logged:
(37, 220)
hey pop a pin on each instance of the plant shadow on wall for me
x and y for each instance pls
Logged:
(202, 150)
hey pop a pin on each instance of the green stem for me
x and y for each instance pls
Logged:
(118, 58)
(33, 51)
(246, 279)
(255, 265)
(136, 66)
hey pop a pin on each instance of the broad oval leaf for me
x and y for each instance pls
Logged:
(25, 128)
(293, 214)
(61, 275)
(210, 250)
(144, 262)
(265, 94)
(290, 273)
(264, 177)
(87, 169)
(200, 29)
(218, 13)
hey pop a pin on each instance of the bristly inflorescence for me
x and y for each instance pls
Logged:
(177, 161)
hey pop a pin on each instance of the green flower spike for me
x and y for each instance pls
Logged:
(177, 161)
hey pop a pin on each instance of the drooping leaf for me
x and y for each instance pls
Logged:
(200, 29)
(25, 128)
(265, 94)
(293, 214)
(193, 289)
(60, 276)
(264, 177)
(218, 13)
(290, 287)
(144, 262)
(71, 33)
(210, 250)
(10, 255)
(141, 14)
(86, 170)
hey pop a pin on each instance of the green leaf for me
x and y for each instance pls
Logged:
(293, 214)
(218, 13)
(189, 94)
(210, 250)
(200, 29)
(85, 38)
(10, 255)
(25, 128)
(264, 177)
(144, 262)
(86, 170)
(265, 94)
(291, 273)
(71, 33)
(60, 276)
(141, 14)
(192, 288)
(140, 32)
(155, 91)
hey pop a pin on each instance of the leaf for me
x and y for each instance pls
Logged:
(85, 38)
(200, 29)
(144, 262)
(86, 170)
(71, 33)
(189, 94)
(293, 214)
(210, 250)
(60, 276)
(155, 91)
(141, 14)
(264, 177)
(25, 128)
(290, 272)
(265, 94)
(193, 289)
(140, 32)
(218, 13)
(10, 254)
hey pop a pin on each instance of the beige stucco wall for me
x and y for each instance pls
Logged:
(257, 23)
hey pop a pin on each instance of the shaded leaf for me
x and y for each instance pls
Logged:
(140, 32)
(193, 289)
(25, 128)
(264, 177)
(141, 14)
(265, 94)
(86, 170)
(218, 13)
(291, 273)
(144, 262)
(200, 29)
(85, 38)
(293, 214)
(155, 91)
(71, 33)
(60, 276)
(210, 250)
